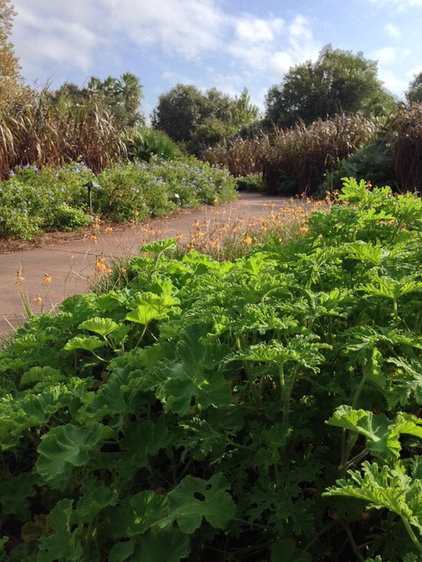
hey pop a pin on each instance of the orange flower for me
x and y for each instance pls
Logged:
(108, 229)
(46, 278)
(247, 240)
(19, 277)
(100, 264)
(37, 299)
(179, 237)
(93, 237)
(123, 270)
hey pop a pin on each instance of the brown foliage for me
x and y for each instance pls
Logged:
(299, 157)
(403, 133)
(240, 156)
(35, 131)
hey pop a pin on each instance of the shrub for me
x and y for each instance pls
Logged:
(33, 200)
(373, 161)
(144, 142)
(161, 186)
(251, 182)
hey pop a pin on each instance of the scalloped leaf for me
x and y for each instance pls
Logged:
(101, 326)
(68, 446)
(194, 499)
(88, 343)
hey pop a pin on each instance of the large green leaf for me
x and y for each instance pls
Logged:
(68, 446)
(95, 496)
(382, 435)
(88, 343)
(101, 326)
(63, 544)
(151, 307)
(194, 499)
(138, 514)
(383, 487)
(32, 410)
(45, 375)
(169, 545)
(375, 427)
(15, 494)
(195, 374)
(121, 551)
(145, 438)
(160, 246)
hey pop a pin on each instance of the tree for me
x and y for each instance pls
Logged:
(120, 96)
(198, 120)
(414, 93)
(179, 112)
(10, 79)
(338, 82)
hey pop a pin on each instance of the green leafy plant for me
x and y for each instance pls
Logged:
(262, 409)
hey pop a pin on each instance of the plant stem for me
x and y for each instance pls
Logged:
(352, 541)
(411, 533)
(284, 393)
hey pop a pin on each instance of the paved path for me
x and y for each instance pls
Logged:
(71, 264)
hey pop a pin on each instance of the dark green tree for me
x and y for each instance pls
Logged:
(120, 96)
(198, 120)
(179, 112)
(338, 82)
(414, 93)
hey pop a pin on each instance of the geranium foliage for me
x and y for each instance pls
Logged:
(263, 409)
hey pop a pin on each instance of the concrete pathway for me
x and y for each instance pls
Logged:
(56, 271)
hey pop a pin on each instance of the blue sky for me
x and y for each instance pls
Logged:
(227, 44)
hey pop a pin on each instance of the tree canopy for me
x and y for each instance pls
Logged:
(120, 96)
(414, 93)
(189, 116)
(11, 89)
(338, 82)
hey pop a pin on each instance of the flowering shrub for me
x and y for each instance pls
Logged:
(33, 200)
(160, 187)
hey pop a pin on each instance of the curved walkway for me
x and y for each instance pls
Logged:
(51, 273)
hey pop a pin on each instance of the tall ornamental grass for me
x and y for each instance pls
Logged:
(299, 157)
(403, 134)
(241, 156)
(40, 133)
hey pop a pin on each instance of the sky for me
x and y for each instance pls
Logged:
(227, 44)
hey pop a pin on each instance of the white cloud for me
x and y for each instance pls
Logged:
(70, 34)
(189, 28)
(392, 30)
(249, 30)
(385, 55)
(391, 82)
(413, 72)
(389, 55)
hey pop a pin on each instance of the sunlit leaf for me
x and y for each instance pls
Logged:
(101, 326)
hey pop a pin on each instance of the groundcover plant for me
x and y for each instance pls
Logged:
(262, 409)
(33, 200)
